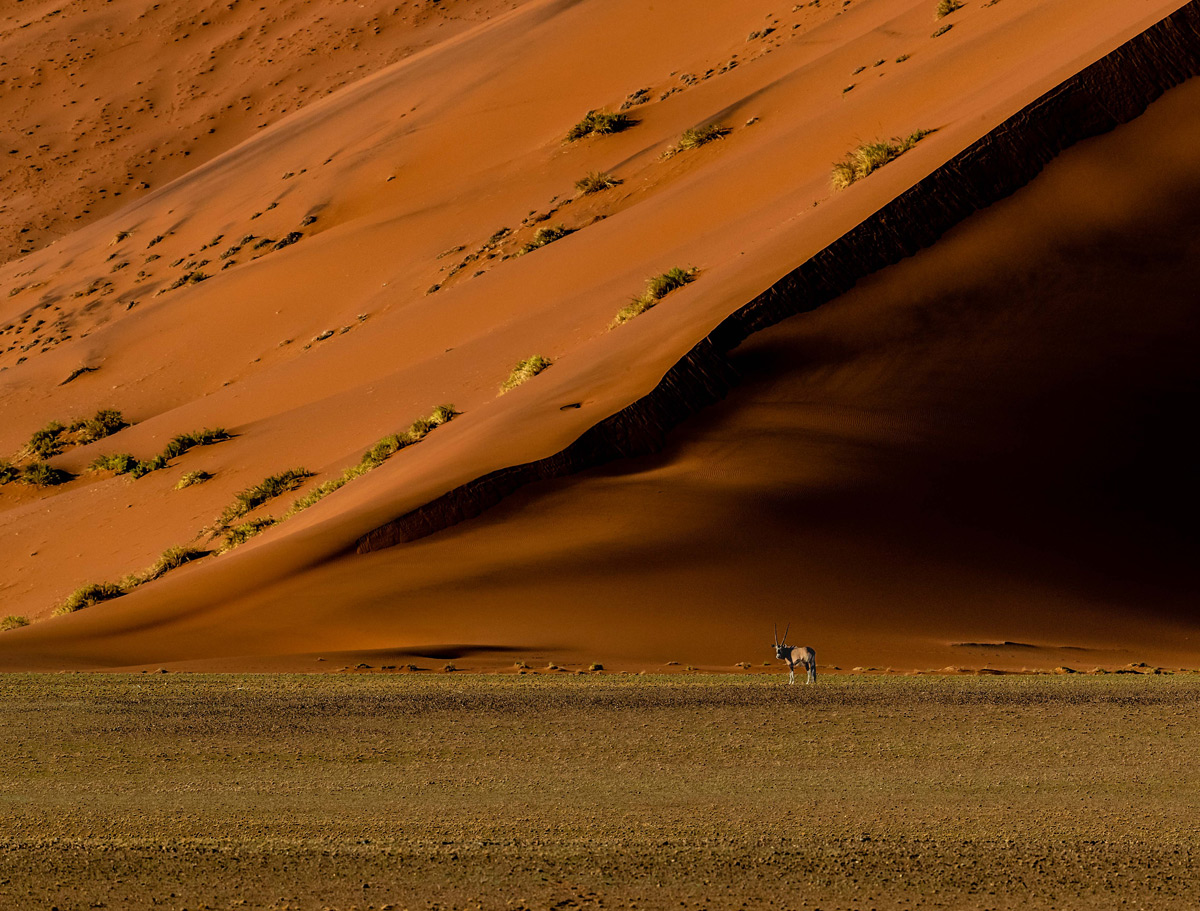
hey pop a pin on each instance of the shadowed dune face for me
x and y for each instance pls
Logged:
(988, 441)
(983, 443)
(977, 445)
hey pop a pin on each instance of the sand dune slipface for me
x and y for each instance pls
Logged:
(924, 461)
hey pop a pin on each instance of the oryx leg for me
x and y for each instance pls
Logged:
(791, 673)
(812, 673)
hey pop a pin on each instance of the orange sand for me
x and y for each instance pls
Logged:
(974, 446)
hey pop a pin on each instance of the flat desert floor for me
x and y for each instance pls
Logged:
(434, 790)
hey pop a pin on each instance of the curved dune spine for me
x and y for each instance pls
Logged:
(1101, 97)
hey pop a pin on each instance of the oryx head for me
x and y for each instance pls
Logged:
(781, 646)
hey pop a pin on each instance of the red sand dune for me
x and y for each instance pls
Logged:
(980, 444)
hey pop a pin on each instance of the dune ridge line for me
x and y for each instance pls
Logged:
(1112, 91)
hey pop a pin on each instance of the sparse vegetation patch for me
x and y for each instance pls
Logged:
(546, 236)
(48, 441)
(42, 474)
(695, 137)
(600, 122)
(871, 156)
(657, 288)
(99, 592)
(56, 437)
(525, 370)
(89, 595)
(595, 181)
(192, 477)
(268, 488)
(13, 621)
(946, 7)
(124, 463)
(376, 456)
(240, 534)
(172, 558)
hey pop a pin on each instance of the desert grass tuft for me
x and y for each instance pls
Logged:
(8, 472)
(124, 463)
(171, 558)
(98, 592)
(240, 534)
(40, 474)
(104, 423)
(946, 7)
(245, 501)
(13, 621)
(191, 478)
(375, 456)
(546, 236)
(595, 181)
(694, 137)
(524, 371)
(657, 288)
(599, 122)
(48, 441)
(88, 596)
(120, 462)
(177, 446)
(872, 156)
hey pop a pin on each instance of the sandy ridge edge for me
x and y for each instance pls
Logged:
(1112, 91)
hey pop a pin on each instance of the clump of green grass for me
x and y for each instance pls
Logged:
(525, 370)
(375, 456)
(245, 501)
(120, 462)
(189, 278)
(546, 236)
(192, 477)
(694, 137)
(600, 122)
(124, 463)
(98, 592)
(48, 441)
(104, 423)
(872, 156)
(13, 621)
(595, 181)
(946, 7)
(177, 446)
(240, 534)
(55, 437)
(657, 288)
(89, 595)
(40, 474)
(324, 489)
(8, 472)
(442, 414)
(171, 558)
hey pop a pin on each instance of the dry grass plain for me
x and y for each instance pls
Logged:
(404, 790)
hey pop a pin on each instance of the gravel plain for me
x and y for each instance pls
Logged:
(430, 790)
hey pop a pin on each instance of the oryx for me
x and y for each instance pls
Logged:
(800, 655)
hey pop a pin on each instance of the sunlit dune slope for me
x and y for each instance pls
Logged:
(106, 100)
(834, 487)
